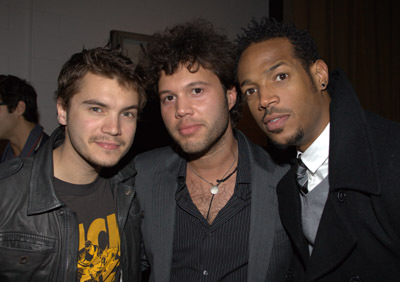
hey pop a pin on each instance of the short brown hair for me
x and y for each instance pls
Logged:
(103, 61)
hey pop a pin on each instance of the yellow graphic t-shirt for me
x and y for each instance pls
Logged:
(96, 263)
(99, 240)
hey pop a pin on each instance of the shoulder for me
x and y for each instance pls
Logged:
(261, 158)
(382, 125)
(10, 167)
(152, 159)
(385, 134)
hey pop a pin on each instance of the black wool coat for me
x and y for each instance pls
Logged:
(358, 238)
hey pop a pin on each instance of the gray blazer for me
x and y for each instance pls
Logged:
(156, 185)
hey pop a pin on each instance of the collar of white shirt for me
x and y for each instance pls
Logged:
(316, 159)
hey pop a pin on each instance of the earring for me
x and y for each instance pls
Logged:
(323, 85)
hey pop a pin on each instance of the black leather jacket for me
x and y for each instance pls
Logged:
(39, 235)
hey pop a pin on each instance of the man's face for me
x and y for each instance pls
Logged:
(285, 101)
(195, 108)
(8, 122)
(100, 122)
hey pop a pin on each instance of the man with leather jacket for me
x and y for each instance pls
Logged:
(70, 213)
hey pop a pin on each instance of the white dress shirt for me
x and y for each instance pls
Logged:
(316, 159)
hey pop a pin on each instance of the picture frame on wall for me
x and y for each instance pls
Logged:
(130, 42)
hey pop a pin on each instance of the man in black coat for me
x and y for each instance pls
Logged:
(339, 203)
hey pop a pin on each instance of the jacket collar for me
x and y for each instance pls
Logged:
(352, 160)
(42, 197)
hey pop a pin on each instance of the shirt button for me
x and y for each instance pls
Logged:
(205, 272)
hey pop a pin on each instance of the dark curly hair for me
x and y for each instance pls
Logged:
(103, 61)
(304, 45)
(14, 89)
(194, 44)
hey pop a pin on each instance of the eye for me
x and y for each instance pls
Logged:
(96, 109)
(250, 91)
(197, 91)
(129, 115)
(281, 76)
(167, 98)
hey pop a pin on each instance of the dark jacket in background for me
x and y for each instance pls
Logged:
(39, 235)
(36, 139)
(359, 233)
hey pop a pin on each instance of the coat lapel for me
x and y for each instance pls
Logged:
(333, 243)
(334, 240)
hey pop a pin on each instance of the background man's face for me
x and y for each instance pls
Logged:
(8, 122)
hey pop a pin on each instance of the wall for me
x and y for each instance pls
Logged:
(38, 36)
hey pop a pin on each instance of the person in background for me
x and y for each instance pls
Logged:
(70, 213)
(209, 201)
(19, 118)
(339, 203)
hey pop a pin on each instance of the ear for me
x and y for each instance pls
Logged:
(61, 113)
(231, 95)
(320, 74)
(20, 108)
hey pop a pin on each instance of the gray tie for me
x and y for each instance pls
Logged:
(301, 176)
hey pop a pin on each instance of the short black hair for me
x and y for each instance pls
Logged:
(304, 45)
(193, 44)
(14, 89)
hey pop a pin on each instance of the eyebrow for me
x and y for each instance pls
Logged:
(189, 85)
(98, 103)
(274, 67)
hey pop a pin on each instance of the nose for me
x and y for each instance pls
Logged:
(183, 107)
(112, 125)
(266, 99)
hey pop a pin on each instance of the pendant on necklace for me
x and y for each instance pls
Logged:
(214, 190)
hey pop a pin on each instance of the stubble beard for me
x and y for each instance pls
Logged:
(108, 159)
(213, 135)
(293, 140)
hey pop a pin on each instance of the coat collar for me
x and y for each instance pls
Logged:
(352, 160)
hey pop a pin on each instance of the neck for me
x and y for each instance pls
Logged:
(216, 161)
(72, 168)
(20, 136)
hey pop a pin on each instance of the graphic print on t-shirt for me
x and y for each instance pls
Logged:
(99, 239)
(99, 250)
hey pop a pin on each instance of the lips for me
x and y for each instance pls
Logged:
(108, 146)
(275, 122)
(188, 129)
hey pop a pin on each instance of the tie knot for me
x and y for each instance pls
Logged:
(301, 175)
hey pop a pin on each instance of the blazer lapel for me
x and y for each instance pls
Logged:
(264, 214)
(164, 218)
(290, 213)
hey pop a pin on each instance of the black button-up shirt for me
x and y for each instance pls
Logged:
(216, 252)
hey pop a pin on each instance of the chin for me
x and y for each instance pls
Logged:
(281, 141)
(106, 161)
